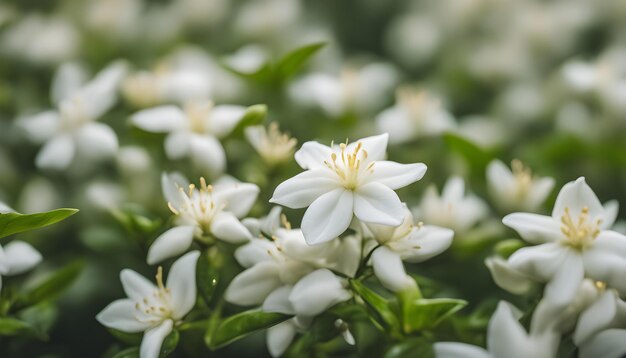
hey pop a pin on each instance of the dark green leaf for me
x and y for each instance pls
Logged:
(207, 278)
(13, 327)
(424, 313)
(128, 338)
(292, 62)
(242, 324)
(13, 223)
(411, 348)
(169, 344)
(132, 352)
(53, 286)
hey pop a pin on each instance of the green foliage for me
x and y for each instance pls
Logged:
(207, 277)
(13, 223)
(13, 327)
(52, 286)
(169, 344)
(254, 115)
(241, 325)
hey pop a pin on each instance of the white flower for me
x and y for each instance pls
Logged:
(354, 90)
(17, 257)
(274, 146)
(517, 189)
(343, 180)
(453, 209)
(71, 129)
(506, 338)
(608, 311)
(606, 344)
(204, 211)
(194, 131)
(506, 277)
(407, 242)
(155, 310)
(416, 114)
(573, 243)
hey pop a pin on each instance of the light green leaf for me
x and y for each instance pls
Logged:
(241, 325)
(254, 115)
(207, 278)
(380, 308)
(52, 287)
(477, 157)
(292, 62)
(169, 344)
(14, 327)
(422, 313)
(411, 348)
(13, 223)
(506, 248)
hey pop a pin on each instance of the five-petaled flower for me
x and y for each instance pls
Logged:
(346, 179)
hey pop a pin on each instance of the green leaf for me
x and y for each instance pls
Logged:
(132, 352)
(254, 115)
(477, 157)
(422, 313)
(169, 344)
(293, 62)
(128, 338)
(411, 348)
(241, 325)
(135, 219)
(14, 327)
(13, 223)
(52, 287)
(380, 308)
(506, 248)
(207, 277)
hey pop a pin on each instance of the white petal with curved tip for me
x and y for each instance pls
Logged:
(40, 127)
(328, 216)
(539, 192)
(575, 196)
(397, 123)
(606, 344)
(254, 252)
(279, 337)
(534, 228)
(500, 179)
(170, 184)
(611, 209)
(278, 301)
(207, 153)
(136, 286)
(453, 190)
(505, 333)
(225, 226)
(562, 288)
(376, 203)
(304, 188)
(389, 269)
(162, 119)
(312, 155)
(426, 242)
(253, 285)
(396, 175)
(596, 317)
(376, 147)
(224, 118)
(20, 257)
(181, 283)
(506, 277)
(459, 350)
(153, 339)
(316, 292)
(238, 197)
(539, 262)
(120, 315)
(97, 140)
(57, 153)
(178, 144)
(171, 243)
(606, 266)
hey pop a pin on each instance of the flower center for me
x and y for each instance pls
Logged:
(523, 177)
(348, 168)
(197, 114)
(276, 146)
(416, 103)
(155, 308)
(198, 205)
(581, 233)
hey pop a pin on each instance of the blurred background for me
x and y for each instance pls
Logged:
(456, 83)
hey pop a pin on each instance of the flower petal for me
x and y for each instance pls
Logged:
(611, 210)
(67, 80)
(40, 127)
(136, 286)
(238, 197)
(224, 118)
(312, 155)
(506, 277)
(376, 147)
(304, 188)
(181, 282)
(278, 301)
(389, 269)
(396, 175)
(328, 216)
(534, 228)
(170, 184)
(539, 262)
(96, 140)
(606, 344)
(162, 119)
(153, 339)
(120, 315)
(207, 153)
(575, 196)
(505, 332)
(225, 226)
(254, 252)
(459, 350)
(426, 242)
(20, 257)
(171, 243)
(376, 203)
(279, 337)
(596, 317)
(316, 292)
(178, 144)
(253, 285)
(500, 179)
(562, 288)
(57, 153)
